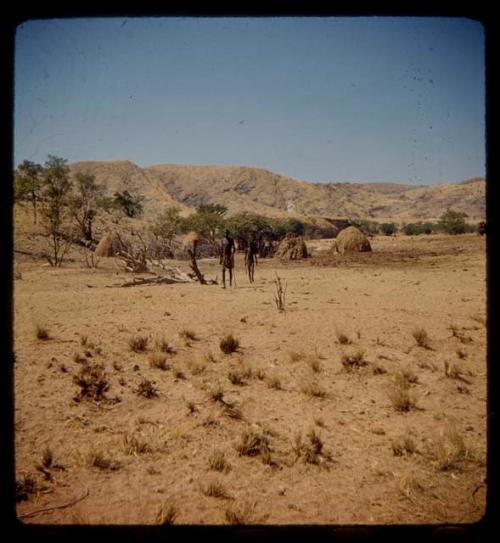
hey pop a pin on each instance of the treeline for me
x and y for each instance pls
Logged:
(67, 205)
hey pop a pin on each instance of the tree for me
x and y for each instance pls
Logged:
(56, 188)
(85, 202)
(453, 222)
(247, 225)
(28, 183)
(166, 227)
(208, 221)
(129, 204)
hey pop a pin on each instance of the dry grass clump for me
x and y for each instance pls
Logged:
(138, 344)
(404, 444)
(167, 513)
(188, 335)
(217, 462)
(217, 395)
(79, 358)
(158, 359)
(312, 452)
(92, 381)
(99, 459)
(133, 445)
(408, 485)
(41, 332)
(295, 356)
(214, 489)
(342, 338)
(254, 444)
(461, 354)
(233, 412)
(146, 389)
(195, 368)
(164, 346)
(353, 360)
(451, 451)
(314, 363)
(421, 337)
(237, 377)
(229, 344)
(400, 395)
(241, 514)
(273, 381)
(313, 389)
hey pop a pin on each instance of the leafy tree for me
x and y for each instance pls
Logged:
(453, 222)
(246, 225)
(387, 228)
(84, 203)
(129, 204)
(28, 183)
(208, 221)
(56, 188)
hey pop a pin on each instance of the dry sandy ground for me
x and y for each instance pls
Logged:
(345, 455)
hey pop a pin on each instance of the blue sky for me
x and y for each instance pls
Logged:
(360, 99)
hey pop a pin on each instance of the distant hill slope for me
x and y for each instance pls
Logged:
(242, 188)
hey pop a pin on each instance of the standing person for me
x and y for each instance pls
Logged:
(226, 257)
(251, 258)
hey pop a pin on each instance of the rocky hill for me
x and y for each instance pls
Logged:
(242, 188)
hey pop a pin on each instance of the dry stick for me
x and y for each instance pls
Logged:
(52, 507)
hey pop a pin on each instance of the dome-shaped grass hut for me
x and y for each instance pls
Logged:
(110, 245)
(292, 247)
(351, 239)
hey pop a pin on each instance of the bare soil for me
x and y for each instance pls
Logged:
(329, 447)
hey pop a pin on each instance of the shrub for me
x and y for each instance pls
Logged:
(421, 337)
(353, 360)
(404, 444)
(25, 487)
(147, 389)
(158, 360)
(253, 444)
(92, 381)
(229, 344)
(138, 343)
(218, 462)
(388, 229)
(167, 513)
(41, 332)
(401, 396)
(215, 489)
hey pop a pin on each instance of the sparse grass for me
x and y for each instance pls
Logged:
(421, 337)
(214, 489)
(455, 332)
(313, 389)
(158, 359)
(138, 344)
(408, 485)
(407, 375)
(167, 513)
(260, 374)
(217, 462)
(273, 381)
(191, 406)
(146, 389)
(311, 451)
(479, 319)
(179, 374)
(229, 344)
(319, 422)
(79, 358)
(92, 381)
(210, 358)
(217, 395)
(404, 444)
(353, 360)
(461, 354)
(41, 332)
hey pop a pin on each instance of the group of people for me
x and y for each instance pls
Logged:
(226, 258)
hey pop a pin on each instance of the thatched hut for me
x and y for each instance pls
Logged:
(292, 247)
(110, 245)
(351, 239)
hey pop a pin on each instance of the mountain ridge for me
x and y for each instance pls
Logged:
(246, 188)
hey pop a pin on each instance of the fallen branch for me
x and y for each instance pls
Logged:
(52, 507)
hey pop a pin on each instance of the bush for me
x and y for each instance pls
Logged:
(387, 228)
(453, 222)
(229, 344)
